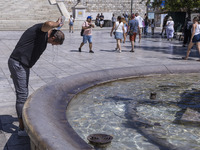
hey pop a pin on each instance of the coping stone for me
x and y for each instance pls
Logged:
(44, 113)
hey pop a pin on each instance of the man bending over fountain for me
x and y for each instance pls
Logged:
(28, 50)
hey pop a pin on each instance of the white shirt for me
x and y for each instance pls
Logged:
(119, 27)
(170, 24)
(71, 20)
(140, 20)
(197, 30)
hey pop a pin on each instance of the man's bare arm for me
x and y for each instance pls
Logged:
(51, 24)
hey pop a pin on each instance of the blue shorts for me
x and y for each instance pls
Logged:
(87, 38)
(196, 38)
(118, 35)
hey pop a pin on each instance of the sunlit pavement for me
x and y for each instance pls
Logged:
(65, 60)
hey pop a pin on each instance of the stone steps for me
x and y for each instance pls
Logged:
(21, 14)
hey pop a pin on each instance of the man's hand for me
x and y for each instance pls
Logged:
(91, 25)
(51, 24)
(61, 21)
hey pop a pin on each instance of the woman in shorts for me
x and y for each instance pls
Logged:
(71, 23)
(119, 30)
(195, 38)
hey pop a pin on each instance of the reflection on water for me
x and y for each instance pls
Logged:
(123, 109)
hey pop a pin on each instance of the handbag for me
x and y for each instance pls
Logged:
(82, 31)
(116, 29)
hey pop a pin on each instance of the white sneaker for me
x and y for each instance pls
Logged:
(22, 133)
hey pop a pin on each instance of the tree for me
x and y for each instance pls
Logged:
(177, 5)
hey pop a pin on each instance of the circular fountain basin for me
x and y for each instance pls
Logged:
(124, 110)
(44, 113)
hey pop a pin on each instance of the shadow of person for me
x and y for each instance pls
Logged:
(9, 136)
(190, 101)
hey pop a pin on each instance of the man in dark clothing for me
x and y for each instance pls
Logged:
(101, 20)
(187, 31)
(28, 50)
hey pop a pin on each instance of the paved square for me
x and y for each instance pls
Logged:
(65, 60)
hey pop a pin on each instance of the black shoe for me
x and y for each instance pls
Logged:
(132, 51)
(79, 49)
(91, 51)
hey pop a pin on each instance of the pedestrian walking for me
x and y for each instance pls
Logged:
(164, 25)
(152, 26)
(146, 22)
(101, 20)
(187, 31)
(114, 19)
(87, 34)
(170, 28)
(125, 29)
(71, 23)
(195, 38)
(133, 29)
(118, 29)
(28, 50)
(140, 21)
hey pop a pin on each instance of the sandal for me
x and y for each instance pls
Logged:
(184, 58)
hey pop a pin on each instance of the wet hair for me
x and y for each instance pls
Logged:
(59, 36)
(119, 18)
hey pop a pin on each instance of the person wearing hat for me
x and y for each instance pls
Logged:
(170, 28)
(28, 50)
(87, 34)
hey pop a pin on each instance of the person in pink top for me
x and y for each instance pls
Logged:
(87, 35)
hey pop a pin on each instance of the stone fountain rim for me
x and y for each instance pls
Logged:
(44, 113)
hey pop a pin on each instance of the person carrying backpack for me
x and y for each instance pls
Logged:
(87, 33)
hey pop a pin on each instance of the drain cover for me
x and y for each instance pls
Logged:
(99, 139)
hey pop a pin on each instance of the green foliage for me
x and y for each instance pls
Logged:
(177, 5)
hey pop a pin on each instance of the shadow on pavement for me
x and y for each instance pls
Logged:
(9, 136)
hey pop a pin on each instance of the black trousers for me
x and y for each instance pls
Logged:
(187, 36)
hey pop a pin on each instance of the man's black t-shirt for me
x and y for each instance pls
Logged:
(102, 17)
(31, 45)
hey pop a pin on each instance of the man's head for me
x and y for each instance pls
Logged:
(70, 16)
(132, 16)
(136, 14)
(56, 37)
(89, 19)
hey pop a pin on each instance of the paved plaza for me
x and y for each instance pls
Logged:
(65, 60)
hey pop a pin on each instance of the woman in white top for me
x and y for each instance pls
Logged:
(195, 38)
(119, 30)
(170, 28)
(71, 23)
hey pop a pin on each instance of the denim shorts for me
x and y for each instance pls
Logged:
(118, 35)
(196, 38)
(87, 38)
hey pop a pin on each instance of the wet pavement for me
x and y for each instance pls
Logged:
(65, 60)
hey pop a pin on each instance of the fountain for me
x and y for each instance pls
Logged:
(49, 127)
